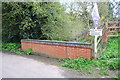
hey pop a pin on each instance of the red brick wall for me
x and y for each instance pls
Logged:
(75, 52)
(25, 45)
(57, 50)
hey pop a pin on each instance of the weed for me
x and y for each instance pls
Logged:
(18, 52)
(106, 61)
(103, 72)
(29, 51)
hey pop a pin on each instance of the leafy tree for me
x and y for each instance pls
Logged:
(38, 20)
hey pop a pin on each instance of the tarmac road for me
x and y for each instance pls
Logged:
(14, 66)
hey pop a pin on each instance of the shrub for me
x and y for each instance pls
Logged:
(10, 46)
(38, 20)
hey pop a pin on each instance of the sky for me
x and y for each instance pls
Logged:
(67, 2)
(63, 1)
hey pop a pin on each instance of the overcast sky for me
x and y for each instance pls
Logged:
(67, 2)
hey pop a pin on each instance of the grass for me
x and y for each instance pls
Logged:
(108, 60)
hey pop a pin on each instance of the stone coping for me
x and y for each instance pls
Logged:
(82, 44)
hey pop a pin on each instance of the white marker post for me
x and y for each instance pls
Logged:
(95, 32)
(96, 17)
(95, 45)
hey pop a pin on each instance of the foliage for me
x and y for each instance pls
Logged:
(112, 49)
(82, 10)
(10, 46)
(103, 9)
(18, 52)
(15, 47)
(0, 46)
(47, 20)
(109, 60)
(65, 30)
(78, 63)
(38, 20)
(20, 20)
(29, 51)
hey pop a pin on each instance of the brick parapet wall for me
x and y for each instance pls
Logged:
(59, 49)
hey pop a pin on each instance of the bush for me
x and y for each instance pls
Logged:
(10, 46)
(38, 20)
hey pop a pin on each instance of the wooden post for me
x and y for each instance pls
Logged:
(95, 46)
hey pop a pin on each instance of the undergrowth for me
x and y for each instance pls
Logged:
(15, 47)
(108, 60)
(10, 46)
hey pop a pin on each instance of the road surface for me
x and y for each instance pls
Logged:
(15, 66)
